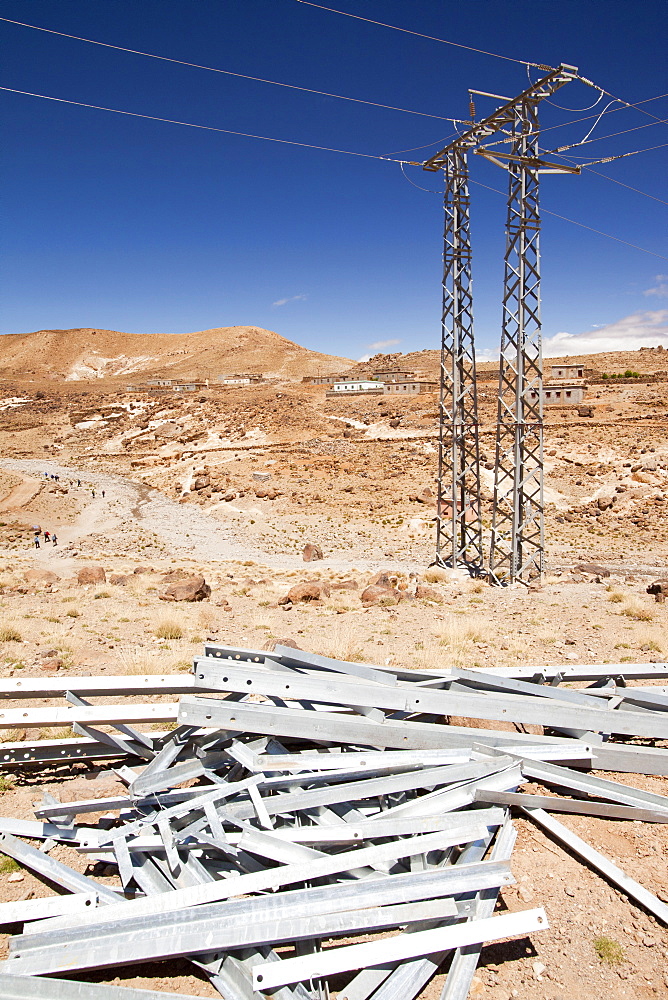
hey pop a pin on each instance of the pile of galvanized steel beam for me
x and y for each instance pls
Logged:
(306, 824)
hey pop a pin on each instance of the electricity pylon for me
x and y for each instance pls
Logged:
(518, 521)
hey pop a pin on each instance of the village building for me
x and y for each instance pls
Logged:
(245, 378)
(394, 375)
(357, 386)
(323, 379)
(567, 393)
(410, 386)
(567, 371)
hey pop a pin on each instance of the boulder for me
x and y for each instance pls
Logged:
(345, 585)
(424, 593)
(660, 590)
(304, 593)
(427, 496)
(50, 664)
(271, 644)
(192, 588)
(311, 552)
(395, 421)
(143, 569)
(375, 594)
(40, 576)
(384, 578)
(230, 495)
(201, 483)
(605, 502)
(120, 579)
(592, 568)
(91, 574)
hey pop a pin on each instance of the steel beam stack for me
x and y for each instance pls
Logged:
(331, 801)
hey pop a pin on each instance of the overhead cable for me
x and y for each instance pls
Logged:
(582, 225)
(225, 72)
(431, 38)
(207, 128)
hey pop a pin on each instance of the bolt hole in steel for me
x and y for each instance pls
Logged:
(249, 683)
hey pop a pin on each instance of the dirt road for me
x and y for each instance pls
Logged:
(183, 528)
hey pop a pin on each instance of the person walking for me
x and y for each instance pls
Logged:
(46, 536)
(93, 492)
(78, 482)
(54, 538)
(102, 494)
(36, 540)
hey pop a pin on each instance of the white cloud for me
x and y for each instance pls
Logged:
(377, 346)
(661, 287)
(292, 298)
(643, 329)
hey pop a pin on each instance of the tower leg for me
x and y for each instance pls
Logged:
(517, 548)
(458, 516)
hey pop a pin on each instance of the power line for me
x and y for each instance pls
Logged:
(225, 72)
(621, 183)
(208, 128)
(431, 38)
(591, 229)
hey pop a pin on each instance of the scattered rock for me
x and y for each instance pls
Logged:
(120, 579)
(345, 585)
(143, 569)
(425, 593)
(311, 552)
(385, 578)
(375, 593)
(44, 576)
(313, 590)
(50, 664)
(271, 644)
(91, 574)
(592, 568)
(193, 588)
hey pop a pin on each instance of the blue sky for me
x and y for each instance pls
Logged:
(129, 224)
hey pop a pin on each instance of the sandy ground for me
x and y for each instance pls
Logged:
(352, 497)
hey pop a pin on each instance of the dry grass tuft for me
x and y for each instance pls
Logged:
(169, 629)
(436, 575)
(10, 634)
(608, 950)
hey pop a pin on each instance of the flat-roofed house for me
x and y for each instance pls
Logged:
(413, 386)
(567, 371)
(561, 393)
(356, 387)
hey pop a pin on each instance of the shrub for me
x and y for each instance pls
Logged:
(8, 865)
(9, 634)
(73, 613)
(169, 630)
(608, 950)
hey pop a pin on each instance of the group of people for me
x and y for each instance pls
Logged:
(49, 475)
(49, 536)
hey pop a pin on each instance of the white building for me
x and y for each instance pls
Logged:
(355, 386)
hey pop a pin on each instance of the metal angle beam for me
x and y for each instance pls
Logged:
(117, 685)
(329, 727)
(54, 871)
(602, 864)
(37, 988)
(24, 910)
(602, 788)
(404, 698)
(582, 807)
(274, 878)
(16, 718)
(253, 921)
(358, 956)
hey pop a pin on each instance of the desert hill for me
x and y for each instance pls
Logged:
(87, 354)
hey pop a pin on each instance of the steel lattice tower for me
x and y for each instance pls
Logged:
(458, 525)
(518, 516)
(518, 521)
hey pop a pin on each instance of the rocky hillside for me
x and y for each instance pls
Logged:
(88, 354)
